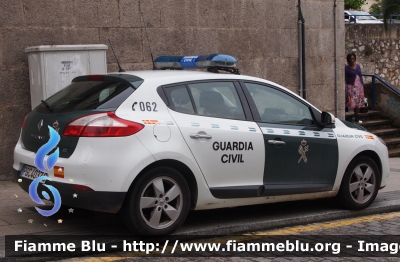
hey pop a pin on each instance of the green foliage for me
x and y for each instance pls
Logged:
(389, 7)
(376, 8)
(354, 4)
(368, 50)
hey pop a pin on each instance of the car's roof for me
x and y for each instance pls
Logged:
(178, 74)
(175, 76)
(355, 12)
(165, 77)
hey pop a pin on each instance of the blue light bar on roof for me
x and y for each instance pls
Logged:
(201, 61)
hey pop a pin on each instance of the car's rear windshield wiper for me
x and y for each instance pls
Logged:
(47, 105)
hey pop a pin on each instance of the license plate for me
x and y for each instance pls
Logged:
(31, 172)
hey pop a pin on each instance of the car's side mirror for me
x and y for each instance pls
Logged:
(327, 119)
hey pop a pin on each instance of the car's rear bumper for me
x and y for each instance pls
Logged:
(102, 201)
(103, 164)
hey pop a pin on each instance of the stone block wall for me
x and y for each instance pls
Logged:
(377, 50)
(261, 34)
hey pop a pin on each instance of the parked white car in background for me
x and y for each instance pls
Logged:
(360, 17)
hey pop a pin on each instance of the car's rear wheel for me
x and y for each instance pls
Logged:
(360, 183)
(158, 203)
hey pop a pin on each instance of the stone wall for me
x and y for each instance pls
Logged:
(261, 34)
(377, 50)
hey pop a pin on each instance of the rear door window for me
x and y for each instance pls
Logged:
(212, 99)
(217, 99)
(180, 99)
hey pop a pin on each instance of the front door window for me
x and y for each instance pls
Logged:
(299, 155)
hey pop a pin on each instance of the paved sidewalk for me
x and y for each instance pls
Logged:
(13, 222)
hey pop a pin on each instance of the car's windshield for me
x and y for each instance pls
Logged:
(363, 16)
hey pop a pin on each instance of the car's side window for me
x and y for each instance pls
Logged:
(180, 99)
(275, 106)
(217, 99)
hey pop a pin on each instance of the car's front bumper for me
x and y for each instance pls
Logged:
(102, 201)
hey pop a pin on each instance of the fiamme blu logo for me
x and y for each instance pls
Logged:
(45, 165)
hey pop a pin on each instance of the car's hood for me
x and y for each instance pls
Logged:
(351, 125)
(346, 129)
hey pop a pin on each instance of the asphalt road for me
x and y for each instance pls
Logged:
(352, 239)
(211, 222)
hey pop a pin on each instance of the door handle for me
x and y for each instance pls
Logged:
(196, 136)
(275, 142)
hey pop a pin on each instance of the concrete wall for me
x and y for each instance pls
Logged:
(377, 50)
(261, 34)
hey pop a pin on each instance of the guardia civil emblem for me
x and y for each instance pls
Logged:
(303, 148)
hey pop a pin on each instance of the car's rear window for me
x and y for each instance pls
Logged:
(87, 95)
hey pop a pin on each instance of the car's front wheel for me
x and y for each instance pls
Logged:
(158, 203)
(360, 183)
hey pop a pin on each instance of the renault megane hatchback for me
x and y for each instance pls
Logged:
(156, 144)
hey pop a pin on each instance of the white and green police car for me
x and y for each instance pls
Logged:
(156, 144)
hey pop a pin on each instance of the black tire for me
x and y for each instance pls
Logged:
(152, 209)
(360, 183)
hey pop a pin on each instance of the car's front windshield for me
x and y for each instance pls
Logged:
(363, 16)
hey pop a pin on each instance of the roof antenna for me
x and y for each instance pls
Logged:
(147, 36)
(120, 69)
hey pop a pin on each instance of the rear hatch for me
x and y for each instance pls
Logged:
(84, 96)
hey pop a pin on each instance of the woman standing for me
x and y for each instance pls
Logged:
(354, 86)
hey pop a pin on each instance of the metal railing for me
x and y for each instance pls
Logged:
(391, 17)
(373, 88)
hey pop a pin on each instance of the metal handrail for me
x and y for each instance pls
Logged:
(392, 16)
(373, 98)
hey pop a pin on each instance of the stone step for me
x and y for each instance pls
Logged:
(370, 114)
(393, 142)
(382, 123)
(386, 132)
(394, 152)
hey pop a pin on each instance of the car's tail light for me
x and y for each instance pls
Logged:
(24, 122)
(95, 77)
(101, 125)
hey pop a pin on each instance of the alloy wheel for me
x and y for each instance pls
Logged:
(362, 183)
(161, 202)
